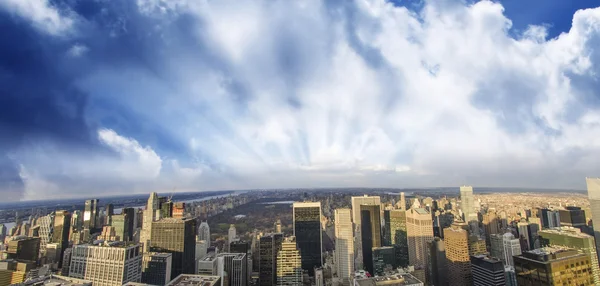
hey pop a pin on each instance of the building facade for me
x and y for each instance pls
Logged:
(487, 271)
(344, 244)
(178, 237)
(156, 268)
(553, 266)
(289, 263)
(308, 233)
(107, 265)
(419, 227)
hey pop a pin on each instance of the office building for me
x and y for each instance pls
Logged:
(593, 188)
(572, 216)
(236, 267)
(239, 246)
(277, 226)
(109, 264)
(553, 266)
(66, 261)
(524, 235)
(178, 237)
(46, 228)
(384, 258)
(208, 265)
(490, 226)
(108, 233)
(573, 238)
(24, 248)
(156, 268)
(419, 227)
(178, 210)
(232, 235)
(308, 233)
(396, 234)
(460, 245)
(124, 224)
(289, 263)
(269, 247)
(14, 272)
(344, 244)
(204, 231)
(196, 280)
(487, 271)
(60, 235)
(467, 204)
(370, 234)
(437, 261)
(359, 201)
(149, 216)
(90, 214)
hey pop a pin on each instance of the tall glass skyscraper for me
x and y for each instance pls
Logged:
(593, 186)
(467, 204)
(344, 244)
(307, 229)
(90, 214)
(370, 229)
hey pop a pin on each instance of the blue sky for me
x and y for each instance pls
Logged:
(111, 97)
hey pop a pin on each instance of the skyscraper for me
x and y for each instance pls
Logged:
(123, 224)
(60, 236)
(236, 266)
(523, 229)
(395, 227)
(344, 245)
(419, 228)
(460, 245)
(178, 237)
(289, 263)
(553, 266)
(573, 238)
(90, 215)
(511, 248)
(269, 247)
(593, 187)
(370, 233)
(231, 237)
(156, 268)
(204, 231)
(150, 215)
(364, 200)
(24, 248)
(307, 229)
(487, 271)
(467, 204)
(402, 202)
(438, 262)
(46, 224)
(383, 258)
(107, 265)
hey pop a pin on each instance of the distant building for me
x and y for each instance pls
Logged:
(176, 236)
(179, 210)
(149, 216)
(344, 244)
(573, 238)
(204, 232)
(232, 235)
(553, 266)
(467, 204)
(156, 268)
(90, 214)
(208, 265)
(46, 224)
(107, 265)
(511, 248)
(124, 224)
(60, 234)
(460, 245)
(487, 271)
(308, 233)
(572, 216)
(289, 263)
(195, 280)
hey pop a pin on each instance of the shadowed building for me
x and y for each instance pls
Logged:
(308, 233)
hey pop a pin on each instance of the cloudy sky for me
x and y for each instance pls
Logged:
(109, 97)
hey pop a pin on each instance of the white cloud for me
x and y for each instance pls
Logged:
(136, 161)
(77, 50)
(43, 15)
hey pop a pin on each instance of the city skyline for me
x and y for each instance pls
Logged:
(223, 95)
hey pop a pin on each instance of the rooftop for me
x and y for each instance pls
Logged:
(159, 254)
(566, 230)
(56, 280)
(235, 255)
(391, 280)
(548, 250)
(172, 220)
(195, 280)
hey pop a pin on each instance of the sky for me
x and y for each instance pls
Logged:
(118, 97)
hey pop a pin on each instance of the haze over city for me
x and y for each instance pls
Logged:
(117, 97)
